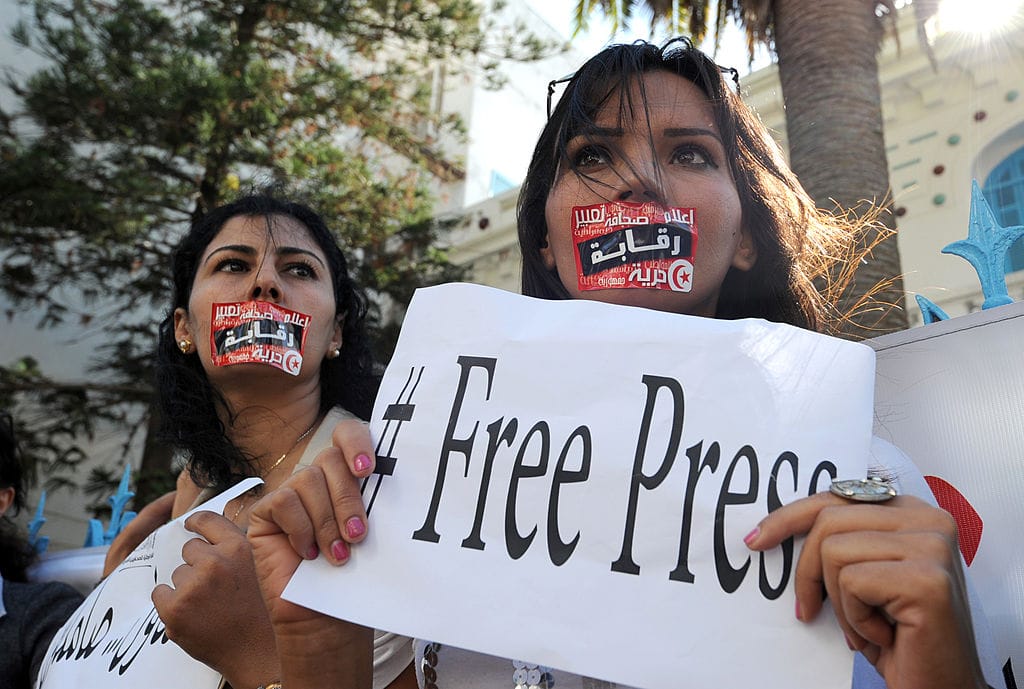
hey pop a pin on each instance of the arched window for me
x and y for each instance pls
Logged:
(1004, 191)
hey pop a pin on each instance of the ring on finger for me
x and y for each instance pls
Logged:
(872, 489)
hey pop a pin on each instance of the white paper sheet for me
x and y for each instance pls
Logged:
(116, 638)
(516, 399)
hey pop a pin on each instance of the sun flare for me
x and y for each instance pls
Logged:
(980, 17)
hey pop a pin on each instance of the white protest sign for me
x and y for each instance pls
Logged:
(570, 484)
(116, 638)
(949, 395)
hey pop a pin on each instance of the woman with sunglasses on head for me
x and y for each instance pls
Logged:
(263, 363)
(660, 126)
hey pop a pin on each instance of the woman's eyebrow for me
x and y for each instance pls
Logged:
(236, 248)
(671, 132)
(692, 131)
(601, 131)
(293, 250)
(247, 250)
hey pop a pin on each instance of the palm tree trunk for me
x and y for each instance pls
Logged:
(828, 69)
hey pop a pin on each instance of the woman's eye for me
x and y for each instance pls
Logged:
(302, 270)
(590, 156)
(232, 265)
(693, 156)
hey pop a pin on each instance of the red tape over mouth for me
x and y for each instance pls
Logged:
(258, 332)
(623, 245)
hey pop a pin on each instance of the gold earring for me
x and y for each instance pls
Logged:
(185, 345)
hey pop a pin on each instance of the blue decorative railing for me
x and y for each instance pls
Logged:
(985, 248)
(95, 533)
(38, 542)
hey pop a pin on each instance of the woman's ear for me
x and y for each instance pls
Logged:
(6, 499)
(182, 331)
(338, 338)
(745, 256)
(546, 254)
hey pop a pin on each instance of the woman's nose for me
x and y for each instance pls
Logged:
(638, 185)
(645, 195)
(271, 293)
(266, 286)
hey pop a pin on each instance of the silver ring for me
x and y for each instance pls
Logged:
(863, 489)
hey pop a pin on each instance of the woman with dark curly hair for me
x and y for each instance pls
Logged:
(645, 131)
(225, 257)
(30, 613)
(263, 360)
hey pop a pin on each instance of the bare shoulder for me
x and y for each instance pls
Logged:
(187, 493)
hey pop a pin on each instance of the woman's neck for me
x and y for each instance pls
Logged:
(269, 424)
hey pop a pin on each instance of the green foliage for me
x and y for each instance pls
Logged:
(148, 114)
(53, 418)
(693, 18)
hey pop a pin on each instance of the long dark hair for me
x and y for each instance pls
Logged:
(188, 402)
(16, 554)
(797, 244)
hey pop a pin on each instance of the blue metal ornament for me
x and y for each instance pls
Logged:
(985, 248)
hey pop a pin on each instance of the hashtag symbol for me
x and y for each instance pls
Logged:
(400, 411)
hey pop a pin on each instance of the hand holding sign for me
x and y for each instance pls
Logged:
(232, 634)
(316, 510)
(892, 572)
(116, 638)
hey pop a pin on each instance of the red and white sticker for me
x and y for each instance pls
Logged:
(625, 245)
(258, 332)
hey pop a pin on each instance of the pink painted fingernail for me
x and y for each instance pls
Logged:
(798, 611)
(339, 549)
(361, 463)
(354, 527)
(749, 538)
(312, 552)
